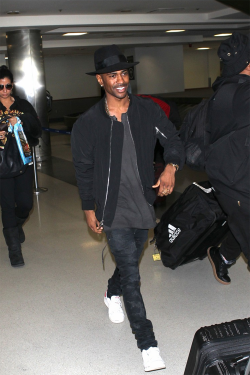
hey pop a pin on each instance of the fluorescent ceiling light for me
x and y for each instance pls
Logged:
(224, 34)
(202, 48)
(165, 10)
(74, 34)
(175, 31)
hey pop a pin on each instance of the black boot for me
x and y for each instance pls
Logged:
(20, 222)
(220, 268)
(12, 240)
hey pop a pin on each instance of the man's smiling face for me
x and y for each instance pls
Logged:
(115, 83)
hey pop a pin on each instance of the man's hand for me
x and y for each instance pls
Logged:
(92, 221)
(166, 181)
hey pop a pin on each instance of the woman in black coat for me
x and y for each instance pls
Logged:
(16, 193)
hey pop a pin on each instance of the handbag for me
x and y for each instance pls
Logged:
(11, 163)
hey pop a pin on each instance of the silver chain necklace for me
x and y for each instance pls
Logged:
(107, 108)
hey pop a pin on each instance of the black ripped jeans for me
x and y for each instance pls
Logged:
(126, 244)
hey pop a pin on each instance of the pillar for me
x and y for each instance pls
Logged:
(26, 63)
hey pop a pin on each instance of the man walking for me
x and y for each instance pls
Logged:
(113, 150)
(228, 166)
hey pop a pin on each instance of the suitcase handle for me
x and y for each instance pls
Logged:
(237, 362)
(247, 371)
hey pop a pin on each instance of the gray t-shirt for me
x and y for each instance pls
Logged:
(132, 210)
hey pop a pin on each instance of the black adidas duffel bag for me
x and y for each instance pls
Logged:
(192, 224)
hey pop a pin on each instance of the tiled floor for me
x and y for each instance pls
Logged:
(53, 319)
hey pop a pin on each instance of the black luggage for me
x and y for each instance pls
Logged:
(192, 224)
(221, 349)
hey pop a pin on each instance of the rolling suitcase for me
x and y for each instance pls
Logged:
(192, 224)
(221, 349)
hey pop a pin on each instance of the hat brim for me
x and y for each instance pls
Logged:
(114, 68)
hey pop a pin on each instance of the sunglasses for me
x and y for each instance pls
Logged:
(8, 86)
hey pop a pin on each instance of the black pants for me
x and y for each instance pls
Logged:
(126, 245)
(238, 212)
(16, 197)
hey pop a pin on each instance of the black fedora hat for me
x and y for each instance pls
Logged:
(110, 59)
(234, 53)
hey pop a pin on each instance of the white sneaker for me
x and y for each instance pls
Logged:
(116, 314)
(152, 359)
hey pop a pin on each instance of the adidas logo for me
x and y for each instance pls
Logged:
(173, 232)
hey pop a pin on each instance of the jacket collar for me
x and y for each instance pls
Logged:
(236, 78)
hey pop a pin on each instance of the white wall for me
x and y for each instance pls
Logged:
(66, 76)
(133, 83)
(160, 69)
(213, 64)
(199, 66)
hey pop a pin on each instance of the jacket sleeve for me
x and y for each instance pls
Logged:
(82, 145)
(169, 139)
(31, 124)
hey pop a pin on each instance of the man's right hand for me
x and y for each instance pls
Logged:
(92, 221)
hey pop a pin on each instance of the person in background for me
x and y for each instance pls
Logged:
(113, 151)
(16, 193)
(228, 165)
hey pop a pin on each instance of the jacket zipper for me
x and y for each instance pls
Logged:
(106, 197)
(158, 131)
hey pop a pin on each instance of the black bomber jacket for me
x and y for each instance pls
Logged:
(97, 141)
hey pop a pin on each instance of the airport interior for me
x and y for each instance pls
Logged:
(53, 318)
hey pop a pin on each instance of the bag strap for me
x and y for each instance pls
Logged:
(207, 131)
(230, 94)
(231, 88)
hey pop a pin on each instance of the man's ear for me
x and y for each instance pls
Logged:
(99, 79)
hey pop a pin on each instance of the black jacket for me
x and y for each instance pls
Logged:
(228, 161)
(97, 143)
(25, 111)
